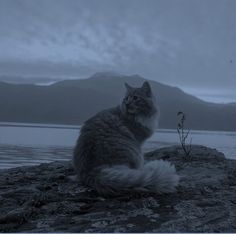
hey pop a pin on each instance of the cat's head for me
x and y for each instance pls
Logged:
(138, 101)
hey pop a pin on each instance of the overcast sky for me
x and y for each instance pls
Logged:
(186, 43)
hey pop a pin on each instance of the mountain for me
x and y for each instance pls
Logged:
(73, 101)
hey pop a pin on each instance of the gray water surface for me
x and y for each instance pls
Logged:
(31, 144)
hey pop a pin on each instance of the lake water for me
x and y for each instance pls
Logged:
(30, 144)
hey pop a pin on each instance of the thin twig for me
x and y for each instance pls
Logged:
(183, 135)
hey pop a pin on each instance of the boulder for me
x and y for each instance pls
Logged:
(44, 199)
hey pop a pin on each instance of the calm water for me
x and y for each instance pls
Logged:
(29, 144)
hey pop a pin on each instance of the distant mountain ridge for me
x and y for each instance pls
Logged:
(73, 101)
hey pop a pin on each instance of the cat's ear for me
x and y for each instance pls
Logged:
(128, 87)
(147, 88)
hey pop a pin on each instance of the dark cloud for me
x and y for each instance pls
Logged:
(185, 43)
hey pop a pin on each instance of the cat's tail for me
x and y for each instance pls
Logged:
(156, 176)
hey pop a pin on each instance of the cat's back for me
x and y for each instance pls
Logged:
(105, 122)
(104, 138)
(104, 131)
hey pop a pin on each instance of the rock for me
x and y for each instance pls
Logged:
(44, 199)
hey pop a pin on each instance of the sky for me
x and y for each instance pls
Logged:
(185, 43)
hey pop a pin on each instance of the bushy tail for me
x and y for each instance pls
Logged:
(155, 176)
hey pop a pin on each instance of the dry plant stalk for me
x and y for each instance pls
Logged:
(183, 135)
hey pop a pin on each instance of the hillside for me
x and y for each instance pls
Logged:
(73, 101)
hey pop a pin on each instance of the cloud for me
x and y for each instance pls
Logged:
(79, 36)
(183, 42)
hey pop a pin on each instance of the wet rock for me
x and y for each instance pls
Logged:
(44, 199)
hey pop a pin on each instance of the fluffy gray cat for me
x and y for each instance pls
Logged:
(108, 155)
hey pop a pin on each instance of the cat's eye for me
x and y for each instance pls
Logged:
(135, 97)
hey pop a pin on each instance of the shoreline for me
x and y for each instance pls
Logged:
(31, 155)
(78, 126)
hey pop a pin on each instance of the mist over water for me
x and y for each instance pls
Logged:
(222, 96)
(30, 144)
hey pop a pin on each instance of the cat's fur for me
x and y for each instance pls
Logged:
(108, 155)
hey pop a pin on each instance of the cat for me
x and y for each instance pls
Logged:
(108, 155)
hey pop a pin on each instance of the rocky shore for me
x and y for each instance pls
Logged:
(44, 199)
